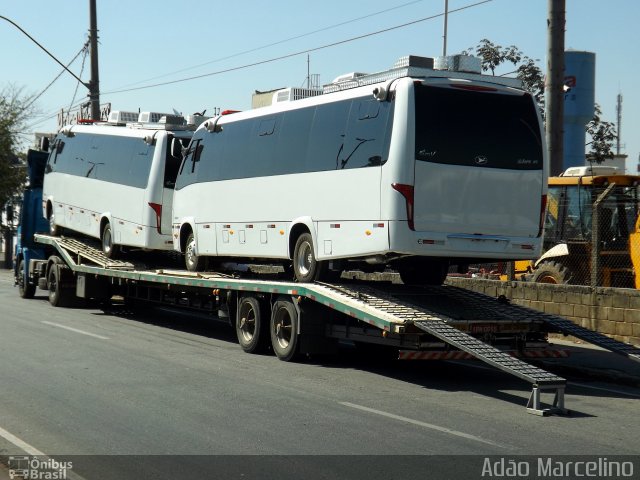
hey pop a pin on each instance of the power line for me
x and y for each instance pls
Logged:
(346, 22)
(301, 52)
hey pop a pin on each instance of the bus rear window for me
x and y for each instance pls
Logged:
(476, 128)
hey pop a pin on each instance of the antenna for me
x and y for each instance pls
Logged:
(444, 34)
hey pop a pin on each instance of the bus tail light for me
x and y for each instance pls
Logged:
(543, 214)
(157, 208)
(407, 193)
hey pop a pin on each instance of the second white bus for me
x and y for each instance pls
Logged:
(420, 171)
(115, 183)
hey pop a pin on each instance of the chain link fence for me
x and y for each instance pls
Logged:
(592, 238)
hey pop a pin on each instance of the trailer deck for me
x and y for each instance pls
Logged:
(418, 319)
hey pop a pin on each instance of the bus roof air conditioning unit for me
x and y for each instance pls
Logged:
(291, 94)
(120, 117)
(152, 117)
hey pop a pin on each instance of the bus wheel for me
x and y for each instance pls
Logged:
(193, 262)
(251, 326)
(109, 249)
(423, 272)
(25, 289)
(54, 229)
(305, 266)
(284, 330)
(60, 295)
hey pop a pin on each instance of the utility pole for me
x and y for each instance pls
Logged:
(555, 85)
(94, 83)
(444, 31)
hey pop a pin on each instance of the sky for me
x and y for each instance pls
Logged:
(236, 48)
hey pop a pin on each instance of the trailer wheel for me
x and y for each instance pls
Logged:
(284, 330)
(59, 294)
(109, 249)
(193, 262)
(25, 289)
(251, 326)
(305, 266)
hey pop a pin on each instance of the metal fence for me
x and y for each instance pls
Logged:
(591, 240)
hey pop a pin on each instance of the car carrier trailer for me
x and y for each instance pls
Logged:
(310, 318)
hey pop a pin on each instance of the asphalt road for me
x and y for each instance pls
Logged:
(93, 383)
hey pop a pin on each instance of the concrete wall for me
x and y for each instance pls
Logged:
(612, 311)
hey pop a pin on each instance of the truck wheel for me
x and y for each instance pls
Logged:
(59, 294)
(305, 266)
(552, 272)
(251, 325)
(109, 249)
(193, 262)
(25, 289)
(284, 330)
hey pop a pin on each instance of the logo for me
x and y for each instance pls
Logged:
(481, 160)
(38, 468)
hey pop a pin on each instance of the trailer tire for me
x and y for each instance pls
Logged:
(251, 325)
(25, 289)
(284, 330)
(59, 294)
(552, 272)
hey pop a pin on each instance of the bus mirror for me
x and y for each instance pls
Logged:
(44, 144)
(212, 126)
(380, 94)
(176, 148)
(150, 139)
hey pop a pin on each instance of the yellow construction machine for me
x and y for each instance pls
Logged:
(592, 230)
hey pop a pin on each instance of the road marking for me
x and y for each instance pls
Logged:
(75, 330)
(19, 443)
(612, 390)
(431, 426)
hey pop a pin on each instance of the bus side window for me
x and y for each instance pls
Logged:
(365, 138)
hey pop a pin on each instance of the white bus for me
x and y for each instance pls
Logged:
(115, 181)
(413, 168)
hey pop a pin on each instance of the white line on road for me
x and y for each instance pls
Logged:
(423, 424)
(19, 443)
(612, 390)
(75, 330)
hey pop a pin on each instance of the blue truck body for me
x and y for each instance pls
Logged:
(31, 222)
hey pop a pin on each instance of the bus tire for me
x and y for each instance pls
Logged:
(251, 325)
(305, 266)
(25, 289)
(193, 262)
(284, 330)
(109, 249)
(59, 294)
(423, 272)
(54, 230)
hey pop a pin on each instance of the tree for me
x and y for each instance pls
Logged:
(602, 134)
(15, 109)
(492, 56)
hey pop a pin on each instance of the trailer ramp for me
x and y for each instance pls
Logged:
(562, 325)
(436, 325)
(81, 251)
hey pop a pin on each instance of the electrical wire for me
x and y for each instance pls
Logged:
(295, 54)
(346, 22)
